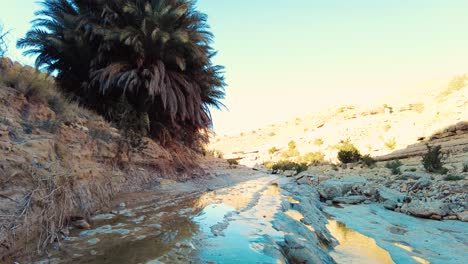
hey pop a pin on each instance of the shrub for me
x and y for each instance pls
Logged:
(268, 165)
(432, 160)
(273, 150)
(318, 142)
(272, 134)
(368, 160)
(394, 166)
(387, 127)
(50, 125)
(213, 153)
(292, 145)
(390, 144)
(100, 134)
(290, 153)
(347, 152)
(465, 167)
(232, 162)
(313, 158)
(285, 165)
(453, 178)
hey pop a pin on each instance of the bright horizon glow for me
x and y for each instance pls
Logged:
(289, 58)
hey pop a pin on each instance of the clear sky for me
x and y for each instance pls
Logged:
(285, 58)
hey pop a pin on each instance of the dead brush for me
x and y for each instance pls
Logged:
(55, 197)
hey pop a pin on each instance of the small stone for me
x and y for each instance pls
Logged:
(451, 217)
(122, 205)
(398, 210)
(81, 224)
(436, 217)
(93, 241)
(463, 216)
(329, 202)
(446, 192)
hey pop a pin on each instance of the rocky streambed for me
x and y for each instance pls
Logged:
(253, 217)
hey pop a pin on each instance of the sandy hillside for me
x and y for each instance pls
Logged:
(380, 128)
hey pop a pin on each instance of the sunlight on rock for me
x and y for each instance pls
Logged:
(355, 247)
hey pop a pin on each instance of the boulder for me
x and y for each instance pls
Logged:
(390, 205)
(426, 209)
(463, 216)
(289, 173)
(356, 199)
(299, 250)
(385, 194)
(333, 188)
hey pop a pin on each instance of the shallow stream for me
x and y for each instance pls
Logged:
(243, 223)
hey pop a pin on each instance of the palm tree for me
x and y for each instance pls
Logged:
(155, 53)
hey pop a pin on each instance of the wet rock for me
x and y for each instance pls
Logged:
(415, 175)
(93, 241)
(298, 251)
(425, 209)
(155, 226)
(463, 216)
(450, 217)
(333, 188)
(81, 224)
(356, 199)
(329, 202)
(390, 205)
(385, 194)
(100, 217)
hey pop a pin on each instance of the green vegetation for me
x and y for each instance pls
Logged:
(465, 167)
(391, 144)
(291, 152)
(347, 152)
(453, 178)
(273, 150)
(312, 158)
(292, 144)
(368, 160)
(154, 55)
(387, 127)
(432, 160)
(394, 166)
(285, 165)
(318, 142)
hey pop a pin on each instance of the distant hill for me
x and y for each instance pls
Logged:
(390, 124)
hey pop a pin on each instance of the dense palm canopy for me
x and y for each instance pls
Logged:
(153, 54)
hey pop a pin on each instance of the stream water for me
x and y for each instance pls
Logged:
(237, 224)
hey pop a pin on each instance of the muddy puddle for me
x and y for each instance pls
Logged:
(245, 223)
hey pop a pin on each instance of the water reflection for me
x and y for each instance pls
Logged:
(241, 232)
(355, 247)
